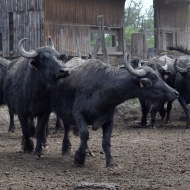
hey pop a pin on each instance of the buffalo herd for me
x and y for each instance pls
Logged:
(86, 92)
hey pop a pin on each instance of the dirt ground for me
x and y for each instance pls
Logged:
(149, 159)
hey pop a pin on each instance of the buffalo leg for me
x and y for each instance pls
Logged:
(32, 126)
(27, 143)
(40, 134)
(153, 111)
(169, 107)
(58, 124)
(145, 110)
(80, 154)
(66, 146)
(11, 125)
(107, 131)
(162, 111)
(75, 130)
(186, 109)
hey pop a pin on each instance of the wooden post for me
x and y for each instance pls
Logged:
(78, 48)
(96, 48)
(102, 39)
(139, 45)
(61, 41)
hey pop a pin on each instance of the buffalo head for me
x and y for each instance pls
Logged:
(182, 65)
(46, 61)
(150, 82)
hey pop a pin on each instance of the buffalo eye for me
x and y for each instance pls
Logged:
(63, 58)
(153, 77)
(43, 57)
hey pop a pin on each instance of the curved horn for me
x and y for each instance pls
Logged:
(31, 54)
(131, 70)
(179, 69)
(139, 64)
(165, 67)
(51, 42)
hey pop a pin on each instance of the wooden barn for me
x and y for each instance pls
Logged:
(64, 20)
(171, 23)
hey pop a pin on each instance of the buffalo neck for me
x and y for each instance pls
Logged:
(119, 88)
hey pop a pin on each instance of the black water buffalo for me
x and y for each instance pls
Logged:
(27, 85)
(4, 63)
(164, 67)
(71, 64)
(182, 81)
(91, 93)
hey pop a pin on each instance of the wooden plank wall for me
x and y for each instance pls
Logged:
(171, 18)
(73, 19)
(28, 18)
(85, 11)
(64, 20)
(65, 35)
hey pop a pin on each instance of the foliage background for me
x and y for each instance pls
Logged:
(138, 19)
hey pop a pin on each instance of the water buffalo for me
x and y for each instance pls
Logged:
(182, 81)
(26, 88)
(91, 93)
(164, 67)
(4, 63)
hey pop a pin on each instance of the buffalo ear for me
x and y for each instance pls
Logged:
(167, 74)
(34, 64)
(145, 83)
(63, 58)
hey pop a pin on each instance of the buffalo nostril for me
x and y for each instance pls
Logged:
(176, 93)
(65, 70)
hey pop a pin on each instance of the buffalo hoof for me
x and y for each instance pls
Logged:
(188, 125)
(38, 156)
(44, 143)
(166, 124)
(143, 126)
(153, 127)
(66, 152)
(12, 130)
(28, 146)
(89, 153)
(111, 164)
(66, 148)
(79, 159)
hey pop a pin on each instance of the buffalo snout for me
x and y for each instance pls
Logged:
(177, 94)
(174, 95)
(63, 72)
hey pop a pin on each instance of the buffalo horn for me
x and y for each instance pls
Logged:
(165, 67)
(137, 72)
(179, 69)
(31, 54)
(51, 42)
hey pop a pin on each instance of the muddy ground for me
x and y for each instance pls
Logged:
(149, 159)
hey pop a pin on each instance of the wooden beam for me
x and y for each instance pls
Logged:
(102, 39)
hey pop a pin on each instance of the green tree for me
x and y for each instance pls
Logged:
(137, 20)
